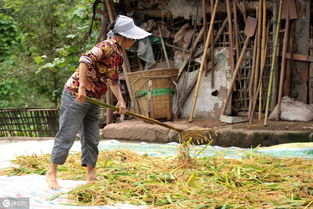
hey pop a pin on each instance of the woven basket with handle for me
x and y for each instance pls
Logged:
(154, 91)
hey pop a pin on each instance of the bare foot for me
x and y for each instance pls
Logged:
(52, 180)
(91, 175)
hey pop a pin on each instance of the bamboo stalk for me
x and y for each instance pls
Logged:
(258, 47)
(236, 29)
(212, 52)
(259, 89)
(263, 56)
(205, 26)
(230, 37)
(269, 92)
(203, 60)
(109, 95)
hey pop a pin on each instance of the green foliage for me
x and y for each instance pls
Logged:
(43, 42)
(8, 35)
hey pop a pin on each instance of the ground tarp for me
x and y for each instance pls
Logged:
(34, 186)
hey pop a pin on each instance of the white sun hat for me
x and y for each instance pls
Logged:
(125, 26)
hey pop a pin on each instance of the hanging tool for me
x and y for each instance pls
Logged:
(249, 32)
(203, 60)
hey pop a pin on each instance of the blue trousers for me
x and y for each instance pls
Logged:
(74, 118)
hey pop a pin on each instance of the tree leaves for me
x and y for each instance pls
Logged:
(46, 37)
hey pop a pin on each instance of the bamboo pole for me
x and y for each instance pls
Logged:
(205, 26)
(270, 85)
(164, 49)
(257, 45)
(109, 95)
(230, 37)
(236, 29)
(212, 52)
(202, 61)
(263, 56)
(259, 89)
(282, 69)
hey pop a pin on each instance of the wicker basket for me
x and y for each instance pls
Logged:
(154, 91)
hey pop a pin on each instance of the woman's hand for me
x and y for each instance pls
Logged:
(81, 96)
(122, 107)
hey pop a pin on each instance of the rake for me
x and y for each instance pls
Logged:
(185, 135)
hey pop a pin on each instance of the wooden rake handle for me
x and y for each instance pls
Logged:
(136, 115)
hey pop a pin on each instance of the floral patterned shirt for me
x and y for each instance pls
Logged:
(104, 62)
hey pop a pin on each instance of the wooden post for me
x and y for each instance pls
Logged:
(300, 73)
(290, 62)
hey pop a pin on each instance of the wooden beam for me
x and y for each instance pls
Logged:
(299, 57)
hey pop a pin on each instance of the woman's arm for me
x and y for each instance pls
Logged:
(118, 94)
(81, 97)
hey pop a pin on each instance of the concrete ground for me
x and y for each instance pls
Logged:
(239, 135)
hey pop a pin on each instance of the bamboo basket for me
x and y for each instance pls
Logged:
(154, 91)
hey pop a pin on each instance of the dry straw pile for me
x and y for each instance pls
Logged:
(184, 182)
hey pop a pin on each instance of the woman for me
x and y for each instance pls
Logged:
(98, 69)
